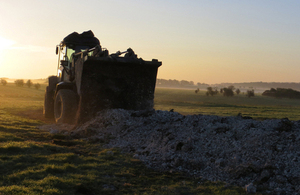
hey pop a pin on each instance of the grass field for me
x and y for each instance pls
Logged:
(36, 162)
(258, 107)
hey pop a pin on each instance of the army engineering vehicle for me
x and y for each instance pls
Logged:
(90, 79)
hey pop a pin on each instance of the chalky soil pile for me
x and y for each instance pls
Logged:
(237, 150)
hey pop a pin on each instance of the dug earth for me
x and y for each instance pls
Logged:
(257, 155)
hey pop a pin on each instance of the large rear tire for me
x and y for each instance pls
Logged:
(65, 106)
(48, 109)
(52, 80)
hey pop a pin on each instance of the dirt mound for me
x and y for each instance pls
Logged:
(245, 152)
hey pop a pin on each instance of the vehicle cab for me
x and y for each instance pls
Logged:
(71, 44)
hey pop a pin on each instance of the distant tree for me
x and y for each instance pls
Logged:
(197, 90)
(250, 93)
(184, 83)
(228, 92)
(29, 83)
(174, 82)
(177, 83)
(231, 87)
(221, 90)
(282, 93)
(202, 85)
(238, 91)
(3, 82)
(19, 82)
(37, 86)
(216, 91)
(211, 92)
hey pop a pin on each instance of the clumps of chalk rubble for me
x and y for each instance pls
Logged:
(240, 151)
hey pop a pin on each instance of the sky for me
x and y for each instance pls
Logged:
(206, 41)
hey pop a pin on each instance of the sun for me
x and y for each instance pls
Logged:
(5, 43)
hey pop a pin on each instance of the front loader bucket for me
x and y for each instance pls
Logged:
(105, 83)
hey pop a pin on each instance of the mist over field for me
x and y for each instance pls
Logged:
(173, 83)
(258, 86)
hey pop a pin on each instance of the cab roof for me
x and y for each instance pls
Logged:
(86, 38)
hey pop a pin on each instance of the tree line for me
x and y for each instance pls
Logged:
(21, 83)
(262, 85)
(177, 83)
(227, 91)
(253, 85)
(282, 93)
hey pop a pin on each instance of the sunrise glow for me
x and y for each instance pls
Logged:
(5, 44)
(200, 41)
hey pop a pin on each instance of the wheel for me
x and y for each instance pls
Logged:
(52, 81)
(48, 109)
(65, 106)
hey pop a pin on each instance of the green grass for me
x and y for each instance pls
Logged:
(33, 161)
(258, 107)
(18, 99)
